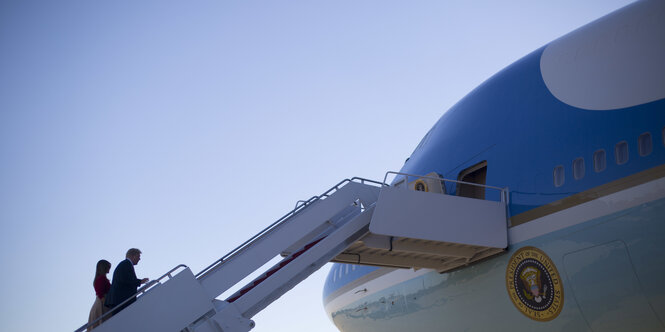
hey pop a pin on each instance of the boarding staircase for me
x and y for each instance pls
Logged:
(357, 221)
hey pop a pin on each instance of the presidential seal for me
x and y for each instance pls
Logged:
(534, 284)
(420, 185)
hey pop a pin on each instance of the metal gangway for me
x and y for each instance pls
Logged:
(356, 221)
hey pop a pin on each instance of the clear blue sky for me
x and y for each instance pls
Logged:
(184, 127)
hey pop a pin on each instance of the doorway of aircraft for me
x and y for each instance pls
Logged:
(474, 174)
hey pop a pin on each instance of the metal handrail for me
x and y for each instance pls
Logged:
(300, 206)
(504, 191)
(140, 291)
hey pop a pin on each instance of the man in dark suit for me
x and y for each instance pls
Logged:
(125, 283)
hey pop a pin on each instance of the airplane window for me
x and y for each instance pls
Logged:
(621, 152)
(645, 145)
(599, 161)
(347, 269)
(558, 176)
(578, 168)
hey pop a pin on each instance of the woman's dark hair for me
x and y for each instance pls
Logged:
(103, 267)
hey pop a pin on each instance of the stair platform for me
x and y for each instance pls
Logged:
(434, 230)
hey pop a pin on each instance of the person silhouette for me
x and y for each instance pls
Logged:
(102, 285)
(125, 283)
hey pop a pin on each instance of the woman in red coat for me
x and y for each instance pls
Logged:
(102, 286)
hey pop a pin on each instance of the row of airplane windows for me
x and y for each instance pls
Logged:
(340, 269)
(645, 147)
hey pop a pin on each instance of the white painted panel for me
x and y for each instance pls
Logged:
(170, 306)
(614, 63)
(609, 304)
(438, 217)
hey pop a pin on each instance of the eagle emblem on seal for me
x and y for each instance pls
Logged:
(534, 285)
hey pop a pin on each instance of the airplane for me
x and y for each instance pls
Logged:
(537, 202)
(576, 132)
